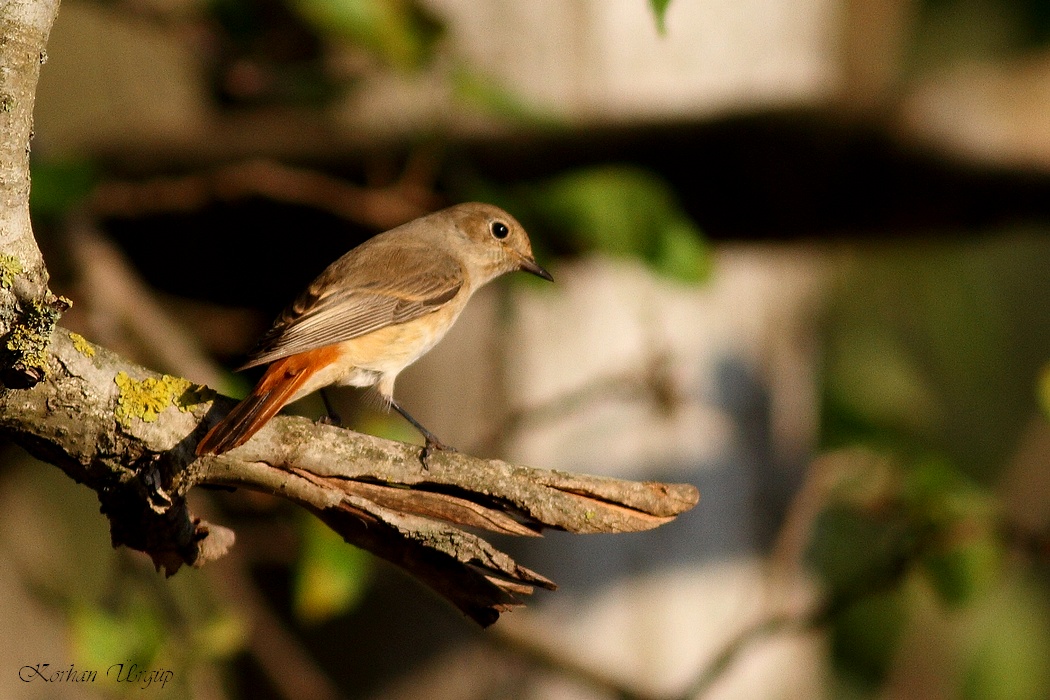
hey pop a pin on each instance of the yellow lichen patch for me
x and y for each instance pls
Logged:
(10, 266)
(146, 399)
(29, 339)
(81, 345)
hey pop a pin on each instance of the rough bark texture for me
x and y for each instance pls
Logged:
(28, 309)
(129, 434)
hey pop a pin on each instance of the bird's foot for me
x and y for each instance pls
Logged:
(433, 445)
(331, 419)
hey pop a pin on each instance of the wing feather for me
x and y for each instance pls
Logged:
(371, 287)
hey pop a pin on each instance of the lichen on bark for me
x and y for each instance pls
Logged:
(145, 399)
(28, 309)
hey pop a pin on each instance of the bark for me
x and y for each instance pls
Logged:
(129, 433)
(28, 309)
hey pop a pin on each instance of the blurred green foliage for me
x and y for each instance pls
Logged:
(308, 52)
(1006, 647)
(932, 356)
(969, 27)
(624, 211)
(403, 34)
(616, 210)
(865, 636)
(659, 8)
(939, 346)
(118, 609)
(277, 51)
(59, 186)
(134, 634)
(330, 575)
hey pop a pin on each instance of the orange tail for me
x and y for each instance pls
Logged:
(276, 388)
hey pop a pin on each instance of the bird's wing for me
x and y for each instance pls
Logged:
(365, 290)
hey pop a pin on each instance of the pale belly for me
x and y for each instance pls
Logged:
(377, 358)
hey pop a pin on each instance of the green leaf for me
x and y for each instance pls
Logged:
(134, 633)
(865, 636)
(964, 557)
(1009, 645)
(623, 211)
(964, 570)
(877, 385)
(851, 547)
(681, 253)
(400, 32)
(220, 636)
(331, 575)
(659, 8)
(938, 492)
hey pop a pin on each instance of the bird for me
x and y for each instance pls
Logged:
(376, 310)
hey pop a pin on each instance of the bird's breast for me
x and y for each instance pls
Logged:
(389, 350)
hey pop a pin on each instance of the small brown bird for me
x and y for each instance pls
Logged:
(377, 310)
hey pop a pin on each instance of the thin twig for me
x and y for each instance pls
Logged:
(373, 207)
(287, 665)
(735, 647)
(652, 381)
(122, 308)
(530, 647)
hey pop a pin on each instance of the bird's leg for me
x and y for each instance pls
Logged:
(332, 418)
(432, 442)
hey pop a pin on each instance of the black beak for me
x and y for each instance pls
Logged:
(530, 265)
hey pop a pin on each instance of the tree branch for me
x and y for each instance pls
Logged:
(375, 207)
(28, 309)
(129, 433)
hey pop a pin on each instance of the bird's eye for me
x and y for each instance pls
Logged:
(500, 230)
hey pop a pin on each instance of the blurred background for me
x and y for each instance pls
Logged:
(802, 262)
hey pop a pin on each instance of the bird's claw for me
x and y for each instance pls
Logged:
(332, 419)
(433, 446)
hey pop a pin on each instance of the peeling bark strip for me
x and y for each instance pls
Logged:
(129, 434)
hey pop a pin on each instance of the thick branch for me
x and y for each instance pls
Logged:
(130, 434)
(28, 310)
